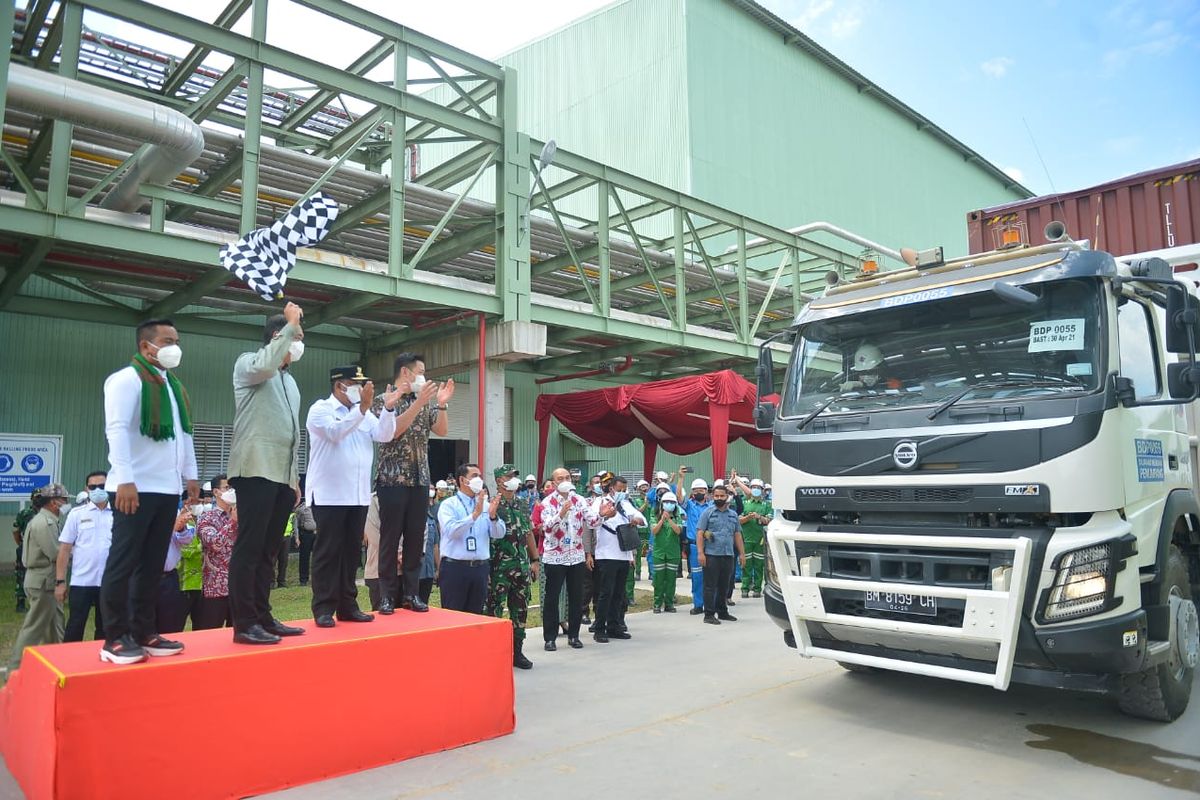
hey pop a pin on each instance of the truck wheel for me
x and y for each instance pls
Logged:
(856, 667)
(1161, 693)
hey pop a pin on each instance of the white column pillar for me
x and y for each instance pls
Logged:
(493, 418)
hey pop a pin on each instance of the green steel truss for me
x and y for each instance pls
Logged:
(443, 208)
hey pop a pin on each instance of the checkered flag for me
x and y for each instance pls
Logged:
(264, 257)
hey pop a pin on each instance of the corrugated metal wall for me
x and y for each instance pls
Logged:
(778, 136)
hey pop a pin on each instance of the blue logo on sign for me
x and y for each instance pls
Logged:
(1149, 460)
(6, 462)
(32, 463)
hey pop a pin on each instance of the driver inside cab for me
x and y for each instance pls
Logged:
(866, 371)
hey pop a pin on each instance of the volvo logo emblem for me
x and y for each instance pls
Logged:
(904, 455)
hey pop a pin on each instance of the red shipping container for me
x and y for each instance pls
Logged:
(1148, 211)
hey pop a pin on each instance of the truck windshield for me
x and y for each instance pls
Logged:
(926, 353)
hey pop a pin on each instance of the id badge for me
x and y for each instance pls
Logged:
(470, 544)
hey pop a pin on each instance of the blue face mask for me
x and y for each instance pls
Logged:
(597, 489)
(98, 496)
(669, 508)
(619, 497)
(756, 492)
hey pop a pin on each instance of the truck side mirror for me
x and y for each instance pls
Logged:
(1183, 319)
(764, 417)
(764, 373)
(1183, 381)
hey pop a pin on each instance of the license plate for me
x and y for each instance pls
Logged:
(901, 603)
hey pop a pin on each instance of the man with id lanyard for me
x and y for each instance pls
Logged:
(468, 521)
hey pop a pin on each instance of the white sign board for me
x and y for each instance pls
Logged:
(1056, 335)
(28, 462)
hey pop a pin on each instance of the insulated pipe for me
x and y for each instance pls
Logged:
(176, 140)
(591, 373)
(828, 227)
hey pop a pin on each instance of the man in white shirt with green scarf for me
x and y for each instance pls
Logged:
(148, 424)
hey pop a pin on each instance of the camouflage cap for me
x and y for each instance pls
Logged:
(52, 491)
(505, 470)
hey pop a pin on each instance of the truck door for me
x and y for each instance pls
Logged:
(1155, 443)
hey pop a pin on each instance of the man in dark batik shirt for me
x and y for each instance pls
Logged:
(402, 480)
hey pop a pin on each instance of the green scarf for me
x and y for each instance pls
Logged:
(155, 424)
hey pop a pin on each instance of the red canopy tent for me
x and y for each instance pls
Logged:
(683, 416)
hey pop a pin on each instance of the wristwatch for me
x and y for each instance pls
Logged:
(60, 581)
(442, 407)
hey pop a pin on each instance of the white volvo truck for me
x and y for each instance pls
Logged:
(987, 473)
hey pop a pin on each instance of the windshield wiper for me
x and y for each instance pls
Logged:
(1004, 384)
(824, 405)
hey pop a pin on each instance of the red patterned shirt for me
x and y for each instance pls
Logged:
(217, 532)
(563, 541)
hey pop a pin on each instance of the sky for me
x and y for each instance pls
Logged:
(1061, 94)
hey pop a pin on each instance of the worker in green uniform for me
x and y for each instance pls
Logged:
(23, 516)
(756, 514)
(665, 529)
(515, 562)
(43, 623)
(642, 504)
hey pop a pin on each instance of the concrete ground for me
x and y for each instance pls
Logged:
(697, 711)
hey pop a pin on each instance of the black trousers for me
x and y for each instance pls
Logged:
(373, 592)
(170, 609)
(213, 612)
(464, 586)
(556, 576)
(307, 540)
(192, 600)
(425, 588)
(718, 576)
(610, 578)
(263, 510)
(281, 559)
(82, 599)
(335, 558)
(402, 513)
(134, 567)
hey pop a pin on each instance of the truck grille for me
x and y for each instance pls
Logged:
(913, 495)
(969, 569)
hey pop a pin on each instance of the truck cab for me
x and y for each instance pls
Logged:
(986, 473)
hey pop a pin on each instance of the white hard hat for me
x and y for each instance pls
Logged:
(81, 498)
(643, 483)
(207, 487)
(662, 476)
(663, 487)
(756, 482)
(718, 482)
(867, 357)
(442, 485)
(766, 486)
(699, 483)
(529, 478)
(669, 497)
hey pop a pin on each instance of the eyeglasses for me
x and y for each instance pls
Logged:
(94, 486)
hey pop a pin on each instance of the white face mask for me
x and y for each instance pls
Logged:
(417, 382)
(566, 487)
(512, 485)
(475, 484)
(354, 394)
(432, 494)
(169, 356)
(230, 497)
(296, 350)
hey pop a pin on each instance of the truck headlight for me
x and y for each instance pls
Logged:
(1083, 584)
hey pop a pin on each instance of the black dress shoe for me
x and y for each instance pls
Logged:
(279, 629)
(575, 643)
(601, 638)
(619, 635)
(413, 603)
(255, 634)
(325, 621)
(550, 647)
(726, 616)
(356, 616)
(695, 611)
(386, 607)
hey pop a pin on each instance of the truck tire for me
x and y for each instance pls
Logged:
(1161, 693)
(857, 667)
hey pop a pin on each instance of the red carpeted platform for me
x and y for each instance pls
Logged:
(224, 720)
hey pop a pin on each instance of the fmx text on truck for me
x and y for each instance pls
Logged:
(987, 473)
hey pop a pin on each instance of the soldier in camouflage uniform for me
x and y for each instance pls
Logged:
(514, 558)
(23, 516)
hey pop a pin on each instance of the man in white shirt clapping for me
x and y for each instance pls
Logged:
(341, 430)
